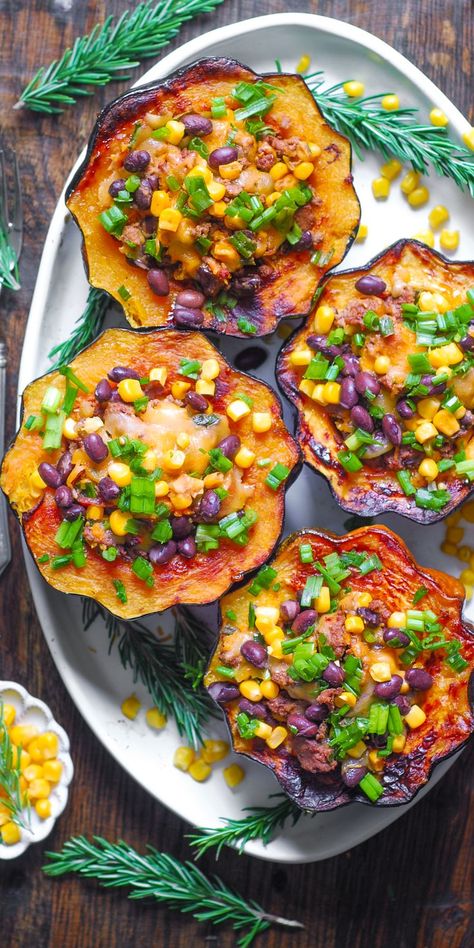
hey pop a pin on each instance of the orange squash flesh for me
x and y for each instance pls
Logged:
(448, 704)
(207, 575)
(375, 489)
(291, 279)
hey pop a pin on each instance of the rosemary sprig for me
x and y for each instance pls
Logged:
(110, 48)
(8, 262)
(261, 823)
(157, 875)
(394, 134)
(10, 772)
(158, 666)
(87, 328)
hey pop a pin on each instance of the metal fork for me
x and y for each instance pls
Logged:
(11, 218)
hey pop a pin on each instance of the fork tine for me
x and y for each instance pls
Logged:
(16, 223)
(3, 194)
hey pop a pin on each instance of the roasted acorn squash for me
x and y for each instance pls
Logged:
(382, 376)
(351, 680)
(151, 493)
(189, 208)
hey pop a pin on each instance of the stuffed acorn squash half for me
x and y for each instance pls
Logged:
(382, 376)
(149, 472)
(346, 668)
(214, 198)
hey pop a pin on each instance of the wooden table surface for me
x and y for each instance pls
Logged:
(412, 885)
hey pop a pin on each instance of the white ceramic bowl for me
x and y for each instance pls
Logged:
(31, 710)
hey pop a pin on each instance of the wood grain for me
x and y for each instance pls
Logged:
(411, 887)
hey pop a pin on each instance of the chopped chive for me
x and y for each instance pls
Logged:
(52, 399)
(246, 326)
(225, 672)
(123, 292)
(420, 592)
(120, 590)
(218, 107)
(276, 476)
(143, 569)
(43, 559)
(349, 461)
(306, 553)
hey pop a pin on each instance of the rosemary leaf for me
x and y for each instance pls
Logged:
(261, 823)
(10, 773)
(158, 666)
(87, 328)
(179, 885)
(8, 262)
(108, 50)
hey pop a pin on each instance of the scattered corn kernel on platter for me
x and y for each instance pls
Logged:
(397, 205)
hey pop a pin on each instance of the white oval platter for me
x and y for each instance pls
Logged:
(95, 680)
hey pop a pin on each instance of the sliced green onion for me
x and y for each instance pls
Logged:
(311, 590)
(246, 326)
(404, 479)
(372, 787)
(113, 220)
(162, 532)
(218, 107)
(277, 476)
(349, 461)
(58, 562)
(124, 293)
(52, 399)
(120, 590)
(142, 496)
(143, 569)
(306, 553)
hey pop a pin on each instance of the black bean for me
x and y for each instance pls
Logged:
(305, 242)
(188, 318)
(333, 674)
(190, 299)
(289, 609)
(95, 448)
(361, 419)
(229, 446)
(103, 391)
(388, 689)
(208, 281)
(352, 774)
(198, 402)
(117, 186)
(419, 679)
(245, 284)
(303, 621)
(49, 474)
(371, 285)
(209, 506)
(108, 489)
(197, 125)
(137, 160)
(162, 553)
(392, 429)
(73, 512)
(396, 638)
(402, 704)
(254, 653)
(317, 712)
(434, 386)
(63, 496)
(351, 364)
(348, 396)
(121, 372)
(256, 709)
(223, 692)
(370, 617)
(366, 382)
(304, 727)
(467, 343)
(64, 466)
(182, 527)
(187, 547)
(404, 409)
(142, 196)
(158, 282)
(320, 344)
(154, 181)
(222, 156)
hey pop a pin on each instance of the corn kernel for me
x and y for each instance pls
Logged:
(261, 421)
(427, 407)
(214, 479)
(176, 131)
(380, 188)
(217, 192)
(446, 423)
(323, 602)
(279, 170)
(237, 409)
(278, 735)
(381, 365)
(419, 196)
(183, 758)
(425, 432)
(199, 770)
(201, 170)
(467, 577)
(303, 64)
(266, 618)
(155, 719)
(149, 461)
(365, 599)
(449, 239)
(52, 770)
(410, 181)
(244, 458)
(307, 387)
(226, 253)
(303, 170)
(250, 689)
(300, 357)
(428, 469)
(460, 412)
(205, 387)
(323, 319)
(390, 102)
(219, 208)
(454, 534)
(449, 549)
(10, 833)
(269, 688)
(160, 200)
(271, 198)
(130, 707)
(39, 789)
(374, 761)
(468, 138)
(345, 697)
(94, 512)
(332, 393)
(69, 429)
(170, 219)
(232, 170)
(438, 118)
(398, 743)
(213, 751)
(353, 88)
(433, 301)
(129, 390)
(314, 150)
(173, 460)
(263, 730)
(354, 624)
(23, 734)
(357, 750)
(119, 473)
(415, 717)
(362, 232)
(181, 501)
(36, 481)
(179, 389)
(43, 808)
(425, 237)
(233, 775)
(159, 373)
(438, 215)
(210, 369)
(9, 715)
(118, 522)
(183, 439)
(380, 671)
